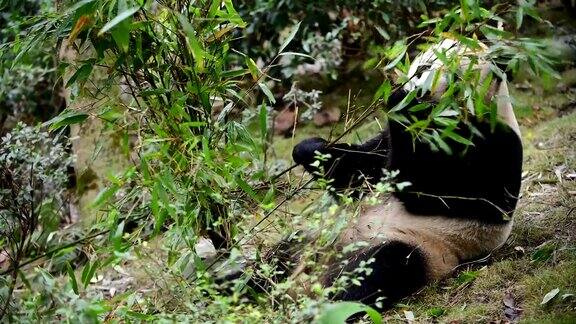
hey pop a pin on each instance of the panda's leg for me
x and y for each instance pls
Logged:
(397, 269)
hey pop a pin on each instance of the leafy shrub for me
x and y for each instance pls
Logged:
(33, 195)
(29, 88)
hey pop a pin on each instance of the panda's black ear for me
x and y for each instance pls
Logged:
(304, 152)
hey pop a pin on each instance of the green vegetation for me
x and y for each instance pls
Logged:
(169, 120)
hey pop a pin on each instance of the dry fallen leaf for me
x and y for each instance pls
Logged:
(511, 310)
(551, 294)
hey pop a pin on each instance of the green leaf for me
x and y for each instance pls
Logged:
(436, 312)
(419, 107)
(105, 195)
(396, 60)
(230, 74)
(263, 120)
(457, 138)
(214, 8)
(246, 188)
(233, 14)
(72, 277)
(116, 236)
(490, 30)
(267, 92)
(66, 118)
(382, 32)
(441, 143)
(254, 69)
(467, 277)
(543, 253)
(207, 153)
(519, 17)
(78, 5)
(493, 115)
(338, 313)
(82, 74)
(196, 48)
(140, 316)
(290, 37)
(469, 42)
(193, 124)
(383, 91)
(296, 54)
(464, 9)
(88, 272)
(549, 296)
(407, 100)
(121, 35)
(118, 19)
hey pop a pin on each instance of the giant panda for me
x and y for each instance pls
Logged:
(459, 206)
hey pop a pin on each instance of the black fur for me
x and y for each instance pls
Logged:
(349, 165)
(398, 270)
(475, 182)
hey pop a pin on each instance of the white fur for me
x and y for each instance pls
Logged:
(445, 241)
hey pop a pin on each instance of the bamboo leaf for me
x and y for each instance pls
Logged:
(519, 17)
(338, 313)
(290, 37)
(406, 101)
(253, 68)
(441, 143)
(396, 60)
(263, 117)
(88, 272)
(267, 92)
(457, 138)
(233, 14)
(105, 195)
(195, 46)
(246, 188)
(419, 107)
(65, 119)
(118, 19)
(72, 276)
(382, 32)
(383, 91)
(82, 74)
(296, 54)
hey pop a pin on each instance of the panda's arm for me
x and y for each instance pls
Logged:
(347, 165)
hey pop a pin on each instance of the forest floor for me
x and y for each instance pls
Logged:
(532, 278)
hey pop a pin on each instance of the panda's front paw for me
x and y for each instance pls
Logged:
(304, 152)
